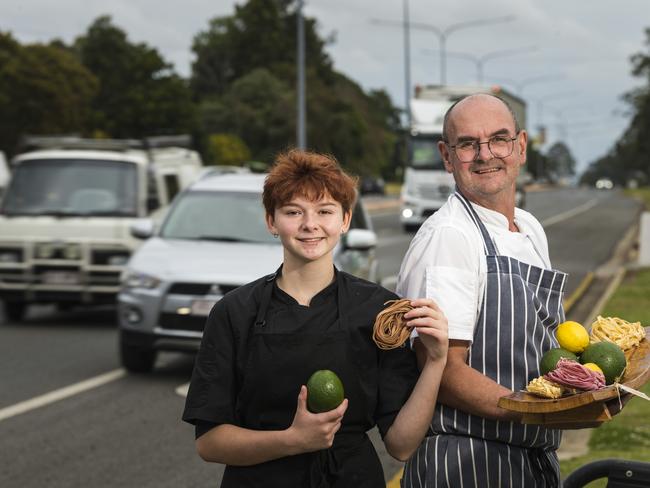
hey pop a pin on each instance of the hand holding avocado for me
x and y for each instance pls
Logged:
(319, 413)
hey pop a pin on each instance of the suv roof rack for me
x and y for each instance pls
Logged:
(75, 142)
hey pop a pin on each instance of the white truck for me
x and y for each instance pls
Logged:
(66, 214)
(427, 185)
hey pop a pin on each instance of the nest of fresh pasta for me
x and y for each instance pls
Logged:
(390, 330)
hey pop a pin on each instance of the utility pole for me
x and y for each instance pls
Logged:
(301, 136)
(407, 64)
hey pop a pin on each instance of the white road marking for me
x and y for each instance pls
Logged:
(182, 390)
(60, 394)
(569, 213)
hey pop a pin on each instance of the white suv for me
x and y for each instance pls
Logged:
(213, 239)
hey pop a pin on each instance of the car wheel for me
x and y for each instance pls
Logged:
(137, 359)
(15, 311)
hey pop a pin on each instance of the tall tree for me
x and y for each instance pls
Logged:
(139, 93)
(260, 34)
(43, 90)
(629, 158)
(244, 79)
(560, 161)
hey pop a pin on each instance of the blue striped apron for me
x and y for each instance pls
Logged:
(522, 307)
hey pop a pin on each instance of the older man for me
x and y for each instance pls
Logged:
(487, 266)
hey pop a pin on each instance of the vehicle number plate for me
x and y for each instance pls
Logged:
(202, 307)
(61, 278)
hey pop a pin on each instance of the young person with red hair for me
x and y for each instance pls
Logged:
(263, 340)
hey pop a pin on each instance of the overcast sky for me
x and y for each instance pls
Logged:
(577, 50)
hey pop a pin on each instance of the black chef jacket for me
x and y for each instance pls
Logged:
(248, 373)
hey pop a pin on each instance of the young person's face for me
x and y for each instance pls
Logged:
(309, 230)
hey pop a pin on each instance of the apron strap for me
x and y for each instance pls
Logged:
(488, 244)
(267, 292)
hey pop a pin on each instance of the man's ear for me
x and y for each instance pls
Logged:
(445, 153)
(522, 145)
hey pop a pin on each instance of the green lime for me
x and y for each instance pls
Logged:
(552, 356)
(609, 357)
(324, 391)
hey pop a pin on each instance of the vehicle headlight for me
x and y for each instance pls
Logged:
(134, 279)
(44, 250)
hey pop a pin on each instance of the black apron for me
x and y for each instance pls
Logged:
(278, 363)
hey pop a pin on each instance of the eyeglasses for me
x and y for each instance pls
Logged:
(499, 146)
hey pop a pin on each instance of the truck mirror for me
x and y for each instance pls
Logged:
(360, 239)
(142, 228)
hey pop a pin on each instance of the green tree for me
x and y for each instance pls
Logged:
(536, 162)
(629, 157)
(560, 161)
(255, 108)
(226, 149)
(244, 79)
(139, 93)
(260, 34)
(43, 90)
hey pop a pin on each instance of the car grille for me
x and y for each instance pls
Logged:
(433, 191)
(199, 289)
(103, 256)
(181, 322)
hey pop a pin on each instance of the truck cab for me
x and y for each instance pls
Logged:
(67, 210)
(427, 185)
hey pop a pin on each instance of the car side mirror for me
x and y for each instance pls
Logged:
(142, 228)
(360, 239)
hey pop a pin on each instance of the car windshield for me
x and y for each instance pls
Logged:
(218, 216)
(67, 187)
(425, 154)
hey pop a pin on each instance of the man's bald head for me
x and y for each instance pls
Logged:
(470, 98)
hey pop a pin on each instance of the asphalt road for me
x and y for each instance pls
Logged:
(122, 430)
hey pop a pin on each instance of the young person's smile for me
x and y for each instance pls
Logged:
(309, 229)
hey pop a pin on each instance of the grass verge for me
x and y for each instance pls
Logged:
(627, 436)
(642, 194)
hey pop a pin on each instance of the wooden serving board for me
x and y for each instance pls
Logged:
(636, 375)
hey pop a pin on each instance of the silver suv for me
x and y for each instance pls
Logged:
(212, 240)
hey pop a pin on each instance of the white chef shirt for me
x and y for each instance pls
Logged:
(446, 260)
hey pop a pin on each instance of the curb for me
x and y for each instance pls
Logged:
(578, 292)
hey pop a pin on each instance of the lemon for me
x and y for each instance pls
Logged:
(594, 367)
(324, 391)
(572, 336)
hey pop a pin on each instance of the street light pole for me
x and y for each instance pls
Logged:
(481, 60)
(443, 34)
(301, 136)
